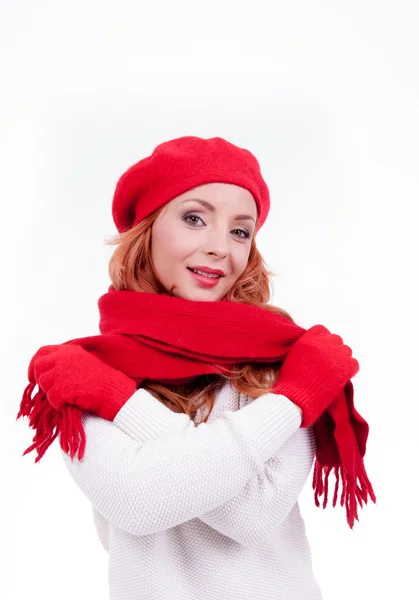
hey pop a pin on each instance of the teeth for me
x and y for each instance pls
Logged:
(212, 275)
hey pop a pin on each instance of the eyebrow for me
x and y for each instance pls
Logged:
(212, 209)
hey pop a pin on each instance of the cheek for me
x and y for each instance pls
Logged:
(159, 252)
(242, 259)
(163, 241)
(169, 246)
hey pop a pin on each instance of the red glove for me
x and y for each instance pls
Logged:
(69, 374)
(315, 371)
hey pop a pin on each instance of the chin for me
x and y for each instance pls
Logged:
(199, 295)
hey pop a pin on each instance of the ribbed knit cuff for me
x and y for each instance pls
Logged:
(302, 396)
(143, 417)
(268, 421)
(117, 389)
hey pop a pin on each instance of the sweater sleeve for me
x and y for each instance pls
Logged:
(147, 487)
(265, 501)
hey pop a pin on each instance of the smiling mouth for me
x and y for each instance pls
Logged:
(203, 274)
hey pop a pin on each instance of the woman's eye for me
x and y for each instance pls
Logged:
(246, 233)
(186, 217)
(191, 217)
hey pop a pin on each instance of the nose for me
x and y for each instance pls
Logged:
(216, 243)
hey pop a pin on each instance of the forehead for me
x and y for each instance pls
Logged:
(218, 193)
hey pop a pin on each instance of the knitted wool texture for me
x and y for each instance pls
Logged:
(201, 512)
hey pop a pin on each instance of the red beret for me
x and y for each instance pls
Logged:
(179, 165)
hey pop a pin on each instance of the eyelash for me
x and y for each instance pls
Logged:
(185, 217)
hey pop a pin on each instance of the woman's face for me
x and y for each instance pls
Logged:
(210, 226)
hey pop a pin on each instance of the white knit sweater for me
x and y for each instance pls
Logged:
(201, 512)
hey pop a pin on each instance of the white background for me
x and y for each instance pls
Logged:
(325, 94)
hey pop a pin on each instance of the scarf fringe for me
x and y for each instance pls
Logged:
(49, 422)
(352, 493)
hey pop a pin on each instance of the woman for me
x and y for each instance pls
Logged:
(192, 422)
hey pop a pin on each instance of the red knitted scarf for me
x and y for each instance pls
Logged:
(172, 340)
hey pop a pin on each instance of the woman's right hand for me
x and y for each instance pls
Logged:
(314, 372)
(69, 374)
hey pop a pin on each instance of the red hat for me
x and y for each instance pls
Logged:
(179, 165)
